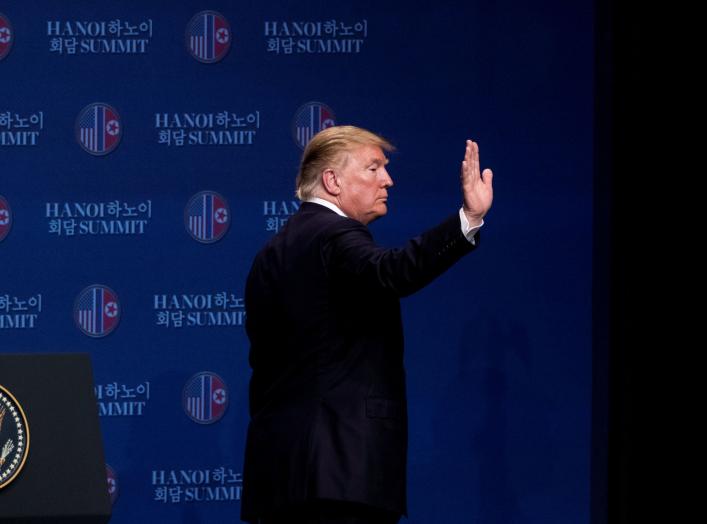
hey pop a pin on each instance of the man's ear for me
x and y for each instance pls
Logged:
(330, 182)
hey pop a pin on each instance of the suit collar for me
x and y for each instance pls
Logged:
(325, 203)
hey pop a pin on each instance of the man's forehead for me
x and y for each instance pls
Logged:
(370, 153)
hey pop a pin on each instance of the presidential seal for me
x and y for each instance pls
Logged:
(14, 437)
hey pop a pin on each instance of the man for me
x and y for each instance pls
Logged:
(327, 441)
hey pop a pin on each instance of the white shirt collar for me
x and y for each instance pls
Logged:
(326, 203)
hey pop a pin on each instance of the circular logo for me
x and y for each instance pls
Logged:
(208, 37)
(207, 217)
(14, 437)
(112, 484)
(97, 311)
(309, 119)
(98, 129)
(5, 218)
(6, 36)
(205, 397)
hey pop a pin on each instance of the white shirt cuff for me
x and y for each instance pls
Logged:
(467, 230)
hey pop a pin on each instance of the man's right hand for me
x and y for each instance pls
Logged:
(477, 188)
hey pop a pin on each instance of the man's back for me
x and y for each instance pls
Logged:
(304, 312)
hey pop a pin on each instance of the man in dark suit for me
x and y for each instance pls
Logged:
(327, 440)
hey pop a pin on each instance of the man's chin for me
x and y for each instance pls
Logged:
(379, 212)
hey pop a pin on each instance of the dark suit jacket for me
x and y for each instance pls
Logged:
(327, 394)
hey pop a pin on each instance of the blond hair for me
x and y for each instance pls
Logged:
(326, 148)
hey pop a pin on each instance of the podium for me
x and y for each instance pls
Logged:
(64, 476)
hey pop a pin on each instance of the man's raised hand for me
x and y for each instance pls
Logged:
(477, 188)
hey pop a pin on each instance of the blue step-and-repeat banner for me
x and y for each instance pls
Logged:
(149, 149)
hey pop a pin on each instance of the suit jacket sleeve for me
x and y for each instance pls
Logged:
(351, 253)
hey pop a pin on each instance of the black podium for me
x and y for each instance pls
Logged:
(64, 476)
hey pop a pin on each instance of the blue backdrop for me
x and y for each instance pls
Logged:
(121, 120)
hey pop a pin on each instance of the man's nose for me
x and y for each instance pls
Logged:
(387, 180)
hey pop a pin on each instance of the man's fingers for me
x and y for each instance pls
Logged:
(470, 165)
(467, 172)
(471, 171)
(469, 156)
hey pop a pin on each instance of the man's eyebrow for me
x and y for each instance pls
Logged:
(378, 160)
